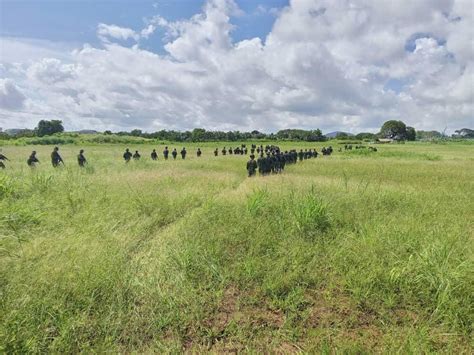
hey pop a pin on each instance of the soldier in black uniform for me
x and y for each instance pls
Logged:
(136, 156)
(224, 152)
(198, 153)
(216, 152)
(231, 151)
(154, 155)
(165, 153)
(301, 155)
(32, 160)
(127, 155)
(251, 166)
(56, 158)
(260, 164)
(2, 159)
(81, 159)
(174, 153)
(183, 153)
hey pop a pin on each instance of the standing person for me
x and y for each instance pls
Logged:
(32, 160)
(216, 152)
(56, 158)
(154, 155)
(251, 166)
(81, 159)
(165, 153)
(174, 153)
(127, 155)
(301, 155)
(224, 152)
(183, 153)
(198, 153)
(2, 159)
(136, 156)
(231, 151)
(261, 164)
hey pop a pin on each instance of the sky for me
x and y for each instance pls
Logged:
(345, 65)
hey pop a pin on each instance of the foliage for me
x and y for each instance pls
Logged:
(393, 129)
(47, 128)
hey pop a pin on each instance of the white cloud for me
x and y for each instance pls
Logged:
(325, 64)
(106, 32)
(11, 98)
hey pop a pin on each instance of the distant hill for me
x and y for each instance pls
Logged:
(335, 133)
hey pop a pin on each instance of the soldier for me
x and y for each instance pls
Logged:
(231, 151)
(198, 153)
(261, 164)
(224, 152)
(3, 158)
(127, 155)
(154, 155)
(251, 166)
(165, 153)
(81, 159)
(183, 153)
(301, 155)
(32, 160)
(174, 153)
(56, 158)
(216, 152)
(136, 156)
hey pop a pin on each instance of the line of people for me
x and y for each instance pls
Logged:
(273, 161)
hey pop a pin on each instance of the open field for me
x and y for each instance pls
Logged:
(355, 252)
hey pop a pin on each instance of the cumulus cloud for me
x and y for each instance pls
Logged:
(11, 98)
(106, 32)
(325, 64)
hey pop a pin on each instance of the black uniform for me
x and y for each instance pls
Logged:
(216, 152)
(127, 155)
(154, 155)
(136, 156)
(165, 153)
(2, 157)
(224, 152)
(56, 158)
(198, 153)
(183, 153)
(174, 153)
(32, 160)
(251, 166)
(81, 159)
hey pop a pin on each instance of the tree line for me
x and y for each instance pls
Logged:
(392, 129)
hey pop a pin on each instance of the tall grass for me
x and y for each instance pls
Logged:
(371, 253)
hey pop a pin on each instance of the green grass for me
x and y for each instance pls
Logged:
(357, 252)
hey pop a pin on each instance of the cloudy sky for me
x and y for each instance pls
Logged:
(237, 64)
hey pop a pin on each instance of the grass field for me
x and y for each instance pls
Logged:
(356, 252)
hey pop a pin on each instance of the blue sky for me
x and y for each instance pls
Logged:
(237, 64)
(76, 20)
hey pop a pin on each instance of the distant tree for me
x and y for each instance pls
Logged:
(107, 133)
(136, 132)
(365, 135)
(393, 129)
(342, 136)
(410, 134)
(198, 135)
(428, 134)
(465, 133)
(47, 128)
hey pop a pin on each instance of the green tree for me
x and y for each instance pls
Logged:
(47, 128)
(410, 134)
(394, 129)
(365, 135)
